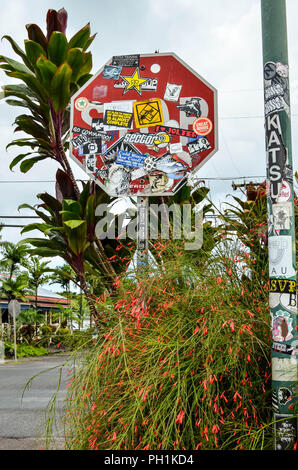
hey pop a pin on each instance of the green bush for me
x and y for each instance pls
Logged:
(62, 337)
(23, 350)
(46, 335)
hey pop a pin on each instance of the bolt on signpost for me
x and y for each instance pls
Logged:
(14, 310)
(141, 126)
(281, 223)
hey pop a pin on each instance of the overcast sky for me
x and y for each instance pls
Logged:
(220, 39)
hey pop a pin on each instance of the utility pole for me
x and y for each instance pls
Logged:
(281, 223)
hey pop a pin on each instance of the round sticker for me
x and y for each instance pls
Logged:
(81, 103)
(202, 126)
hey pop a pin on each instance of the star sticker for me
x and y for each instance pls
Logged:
(134, 82)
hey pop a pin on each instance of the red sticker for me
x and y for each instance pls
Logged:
(202, 126)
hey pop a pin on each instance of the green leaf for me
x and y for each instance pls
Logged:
(47, 70)
(74, 223)
(25, 206)
(75, 59)
(26, 165)
(87, 66)
(27, 124)
(34, 51)
(35, 86)
(17, 159)
(81, 38)
(60, 87)
(23, 143)
(90, 41)
(20, 89)
(57, 48)
(18, 51)
(17, 66)
(35, 226)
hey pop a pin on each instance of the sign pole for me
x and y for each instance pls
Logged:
(142, 236)
(14, 332)
(281, 223)
(14, 310)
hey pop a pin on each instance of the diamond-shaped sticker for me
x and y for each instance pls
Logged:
(148, 113)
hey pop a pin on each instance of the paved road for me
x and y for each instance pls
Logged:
(22, 421)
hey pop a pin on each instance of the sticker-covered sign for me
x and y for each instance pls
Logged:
(143, 124)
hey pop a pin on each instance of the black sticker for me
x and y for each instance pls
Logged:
(126, 60)
(198, 146)
(176, 131)
(285, 431)
(287, 286)
(88, 134)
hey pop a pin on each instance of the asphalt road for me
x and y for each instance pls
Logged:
(22, 420)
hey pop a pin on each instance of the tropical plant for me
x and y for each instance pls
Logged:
(13, 256)
(37, 276)
(52, 69)
(69, 225)
(15, 288)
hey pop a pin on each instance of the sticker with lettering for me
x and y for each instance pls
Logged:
(280, 256)
(130, 159)
(202, 126)
(126, 60)
(176, 131)
(113, 118)
(287, 286)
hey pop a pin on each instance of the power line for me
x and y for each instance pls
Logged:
(202, 177)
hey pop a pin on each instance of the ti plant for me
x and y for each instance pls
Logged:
(51, 71)
(69, 225)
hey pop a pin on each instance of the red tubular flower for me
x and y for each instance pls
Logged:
(180, 416)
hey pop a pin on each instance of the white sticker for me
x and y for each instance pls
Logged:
(90, 163)
(282, 215)
(280, 256)
(284, 369)
(172, 92)
(285, 192)
(176, 148)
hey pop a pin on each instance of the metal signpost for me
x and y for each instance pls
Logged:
(141, 126)
(14, 309)
(281, 223)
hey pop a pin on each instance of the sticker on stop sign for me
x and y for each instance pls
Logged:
(202, 126)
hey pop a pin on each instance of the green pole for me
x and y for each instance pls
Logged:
(281, 223)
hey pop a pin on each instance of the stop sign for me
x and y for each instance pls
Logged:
(143, 124)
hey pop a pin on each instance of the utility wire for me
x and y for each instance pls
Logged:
(225, 178)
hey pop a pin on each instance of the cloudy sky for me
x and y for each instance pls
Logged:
(220, 39)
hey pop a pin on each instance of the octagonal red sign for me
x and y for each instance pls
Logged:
(143, 124)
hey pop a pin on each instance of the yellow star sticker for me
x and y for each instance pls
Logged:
(134, 82)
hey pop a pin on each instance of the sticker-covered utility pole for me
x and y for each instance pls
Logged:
(281, 223)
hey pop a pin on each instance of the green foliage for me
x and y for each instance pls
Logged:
(62, 337)
(184, 365)
(51, 70)
(23, 350)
